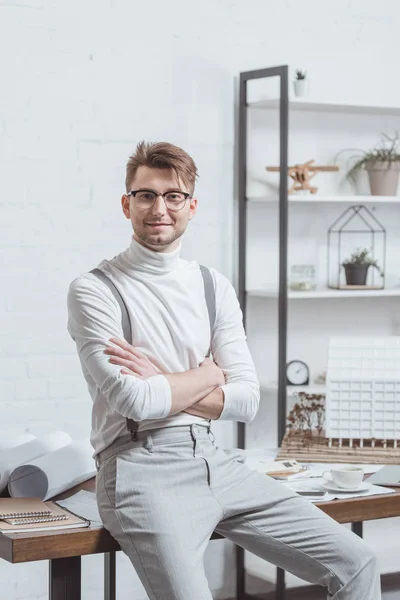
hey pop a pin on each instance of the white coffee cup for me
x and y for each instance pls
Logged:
(345, 477)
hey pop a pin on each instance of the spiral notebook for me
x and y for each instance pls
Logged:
(31, 514)
(11, 508)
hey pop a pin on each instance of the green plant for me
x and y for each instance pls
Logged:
(360, 257)
(301, 74)
(386, 151)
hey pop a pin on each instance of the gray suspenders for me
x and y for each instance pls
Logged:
(126, 323)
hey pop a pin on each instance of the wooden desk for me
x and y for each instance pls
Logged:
(65, 548)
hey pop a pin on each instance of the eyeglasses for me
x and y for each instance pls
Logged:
(174, 200)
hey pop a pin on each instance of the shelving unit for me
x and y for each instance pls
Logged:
(282, 74)
(314, 199)
(315, 105)
(293, 389)
(281, 202)
(320, 294)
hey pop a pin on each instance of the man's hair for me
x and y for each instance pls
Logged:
(162, 155)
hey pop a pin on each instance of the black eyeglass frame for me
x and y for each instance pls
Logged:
(185, 194)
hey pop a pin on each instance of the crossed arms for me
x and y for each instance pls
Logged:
(195, 391)
(226, 388)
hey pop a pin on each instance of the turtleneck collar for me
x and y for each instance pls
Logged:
(143, 259)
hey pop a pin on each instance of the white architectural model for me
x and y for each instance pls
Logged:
(363, 390)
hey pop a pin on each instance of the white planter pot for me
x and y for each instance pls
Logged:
(300, 87)
(383, 178)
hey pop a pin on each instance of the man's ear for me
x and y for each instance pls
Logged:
(192, 208)
(126, 206)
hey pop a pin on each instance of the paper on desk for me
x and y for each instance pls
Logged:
(14, 457)
(54, 472)
(317, 484)
(84, 504)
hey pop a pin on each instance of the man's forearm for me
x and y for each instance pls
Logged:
(209, 407)
(191, 386)
(186, 388)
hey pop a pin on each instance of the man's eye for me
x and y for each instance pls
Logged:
(175, 196)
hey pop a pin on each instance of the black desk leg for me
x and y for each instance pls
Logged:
(280, 584)
(109, 576)
(357, 528)
(65, 578)
(240, 574)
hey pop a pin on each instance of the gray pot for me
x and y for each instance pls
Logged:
(383, 177)
(356, 274)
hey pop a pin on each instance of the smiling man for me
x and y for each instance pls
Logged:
(163, 484)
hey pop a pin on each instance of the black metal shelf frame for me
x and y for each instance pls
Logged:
(282, 72)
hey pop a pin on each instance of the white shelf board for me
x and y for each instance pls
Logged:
(316, 105)
(293, 389)
(315, 199)
(328, 293)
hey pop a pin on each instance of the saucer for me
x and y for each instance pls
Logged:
(363, 487)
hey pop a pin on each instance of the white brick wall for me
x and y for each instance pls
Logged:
(82, 83)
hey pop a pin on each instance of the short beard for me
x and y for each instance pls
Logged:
(149, 240)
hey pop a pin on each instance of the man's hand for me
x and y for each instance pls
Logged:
(214, 368)
(133, 361)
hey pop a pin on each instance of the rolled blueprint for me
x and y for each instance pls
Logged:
(11, 441)
(12, 458)
(53, 473)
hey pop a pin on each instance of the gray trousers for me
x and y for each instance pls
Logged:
(162, 496)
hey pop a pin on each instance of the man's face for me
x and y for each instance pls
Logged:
(158, 227)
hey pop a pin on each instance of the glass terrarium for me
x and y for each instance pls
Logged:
(356, 251)
(302, 278)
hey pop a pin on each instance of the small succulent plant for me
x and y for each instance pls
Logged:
(301, 74)
(360, 257)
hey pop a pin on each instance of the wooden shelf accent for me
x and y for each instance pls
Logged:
(357, 287)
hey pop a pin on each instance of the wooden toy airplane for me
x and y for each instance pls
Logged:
(303, 173)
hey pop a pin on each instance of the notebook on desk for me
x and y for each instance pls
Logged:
(20, 515)
(22, 507)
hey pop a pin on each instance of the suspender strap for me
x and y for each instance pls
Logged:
(126, 323)
(210, 299)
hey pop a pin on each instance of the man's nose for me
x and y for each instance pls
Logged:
(159, 207)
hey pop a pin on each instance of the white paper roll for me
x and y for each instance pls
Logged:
(11, 441)
(12, 458)
(53, 473)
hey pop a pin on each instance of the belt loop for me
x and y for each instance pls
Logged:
(96, 462)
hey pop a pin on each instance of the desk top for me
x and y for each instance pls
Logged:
(45, 545)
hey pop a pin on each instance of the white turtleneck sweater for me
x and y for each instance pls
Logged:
(165, 298)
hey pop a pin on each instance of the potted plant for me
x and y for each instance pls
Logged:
(300, 83)
(356, 267)
(382, 164)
